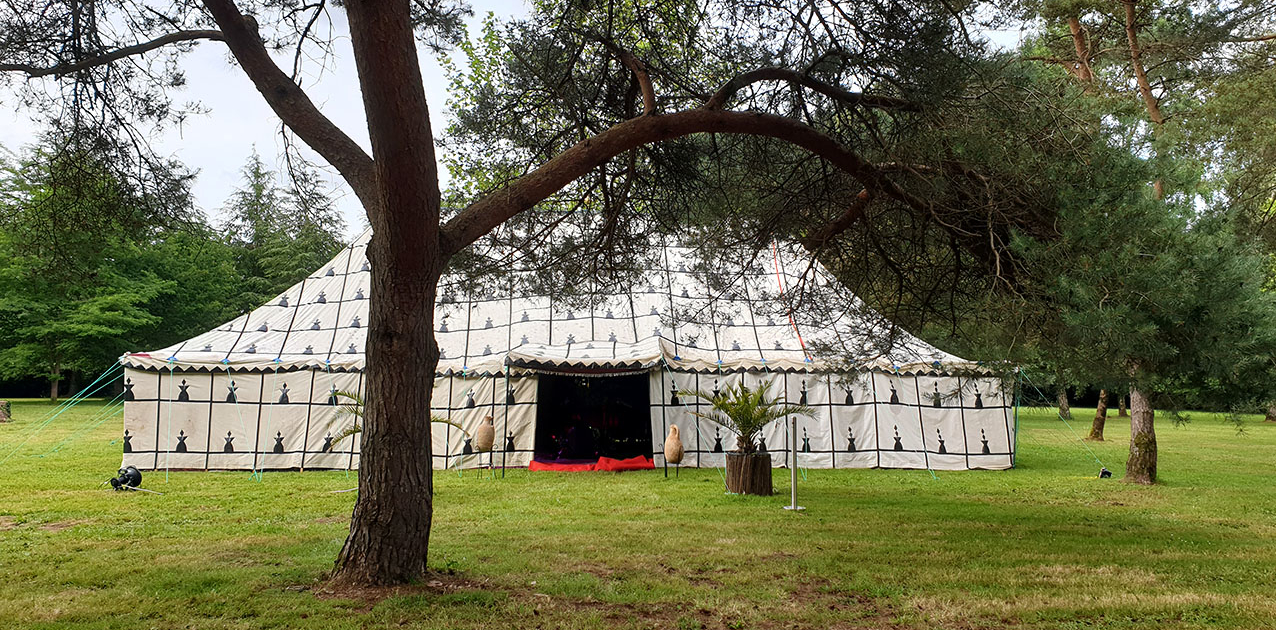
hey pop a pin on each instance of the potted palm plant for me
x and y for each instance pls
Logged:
(353, 407)
(745, 411)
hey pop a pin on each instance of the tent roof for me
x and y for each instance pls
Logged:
(672, 317)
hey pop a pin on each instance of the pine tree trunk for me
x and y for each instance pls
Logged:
(1141, 466)
(1065, 410)
(390, 528)
(749, 473)
(1121, 411)
(1100, 417)
(1271, 412)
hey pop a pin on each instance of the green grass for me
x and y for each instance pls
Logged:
(1047, 545)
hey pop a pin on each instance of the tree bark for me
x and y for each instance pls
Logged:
(1141, 465)
(749, 473)
(1271, 412)
(54, 381)
(1081, 44)
(390, 528)
(1121, 411)
(1065, 410)
(1100, 417)
(1145, 85)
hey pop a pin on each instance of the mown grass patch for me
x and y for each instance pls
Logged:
(1047, 545)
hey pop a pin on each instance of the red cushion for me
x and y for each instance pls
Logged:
(638, 462)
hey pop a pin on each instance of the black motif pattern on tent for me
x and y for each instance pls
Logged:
(979, 400)
(717, 441)
(183, 396)
(230, 443)
(806, 441)
(894, 396)
(850, 439)
(936, 398)
(128, 442)
(943, 450)
(231, 397)
(181, 442)
(899, 444)
(327, 444)
(279, 443)
(983, 437)
(283, 394)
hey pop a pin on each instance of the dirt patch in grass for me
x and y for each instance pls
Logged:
(57, 526)
(7, 523)
(434, 584)
(328, 520)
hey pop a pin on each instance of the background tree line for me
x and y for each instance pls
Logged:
(92, 266)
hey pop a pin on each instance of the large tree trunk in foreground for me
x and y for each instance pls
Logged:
(1100, 417)
(1141, 466)
(749, 473)
(390, 528)
(1065, 410)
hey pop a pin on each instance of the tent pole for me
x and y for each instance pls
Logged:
(793, 468)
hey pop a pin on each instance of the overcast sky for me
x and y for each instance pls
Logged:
(218, 143)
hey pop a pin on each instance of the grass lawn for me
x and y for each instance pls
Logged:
(1047, 545)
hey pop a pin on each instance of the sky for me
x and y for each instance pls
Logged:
(217, 144)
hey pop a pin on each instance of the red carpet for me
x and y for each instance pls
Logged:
(637, 462)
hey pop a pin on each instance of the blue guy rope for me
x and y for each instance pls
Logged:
(1065, 423)
(63, 408)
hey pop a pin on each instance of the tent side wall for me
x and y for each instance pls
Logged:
(862, 420)
(289, 419)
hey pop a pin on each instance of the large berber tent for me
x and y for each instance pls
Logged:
(566, 384)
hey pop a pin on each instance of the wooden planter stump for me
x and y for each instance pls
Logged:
(749, 473)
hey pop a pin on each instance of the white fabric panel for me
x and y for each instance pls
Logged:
(969, 414)
(740, 326)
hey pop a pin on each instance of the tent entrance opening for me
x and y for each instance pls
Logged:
(579, 419)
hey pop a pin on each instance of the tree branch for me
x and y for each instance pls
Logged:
(719, 99)
(499, 206)
(111, 56)
(291, 103)
(639, 69)
(843, 222)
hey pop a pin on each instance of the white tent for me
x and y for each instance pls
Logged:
(260, 392)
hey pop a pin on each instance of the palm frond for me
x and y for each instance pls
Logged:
(354, 408)
(745, 411)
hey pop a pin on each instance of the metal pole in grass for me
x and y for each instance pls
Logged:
(793, 468)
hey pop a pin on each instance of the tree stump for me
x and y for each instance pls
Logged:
(6, 413)
(749, 473)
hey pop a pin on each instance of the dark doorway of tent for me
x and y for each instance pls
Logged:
(592, 423)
